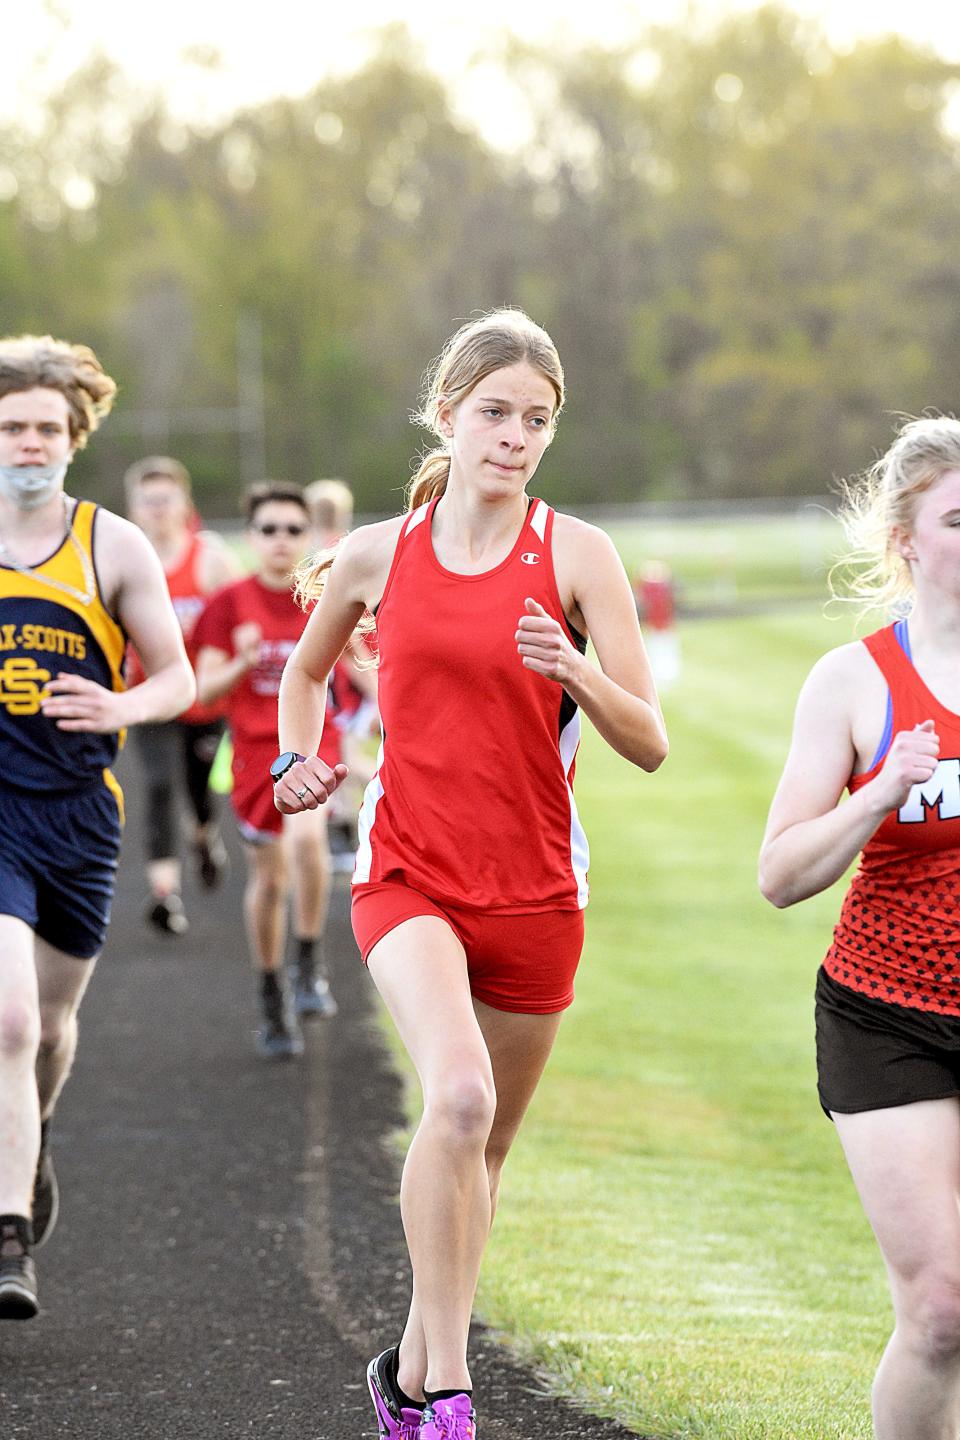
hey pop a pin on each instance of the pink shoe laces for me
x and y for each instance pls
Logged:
(450, 1424)
(408, 1431)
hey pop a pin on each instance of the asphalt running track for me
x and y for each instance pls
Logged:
(229, 1252)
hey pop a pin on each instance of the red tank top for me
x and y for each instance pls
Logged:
(186, 591)
(898, 937)
(472, 801)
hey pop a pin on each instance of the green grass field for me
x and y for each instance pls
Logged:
(724, 559)
(679, 1243)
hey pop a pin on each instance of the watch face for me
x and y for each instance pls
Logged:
(283, 762)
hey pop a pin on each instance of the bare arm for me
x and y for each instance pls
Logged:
(218, 672)
(136, 591)
(620, 698)
(354, 583)
(811, 839)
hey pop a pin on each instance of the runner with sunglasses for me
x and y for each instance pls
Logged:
(242, 641)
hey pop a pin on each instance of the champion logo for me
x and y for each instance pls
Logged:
(530, 557)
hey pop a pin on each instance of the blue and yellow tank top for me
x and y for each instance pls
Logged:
(46, 631)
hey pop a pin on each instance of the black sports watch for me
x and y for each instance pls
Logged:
(283, 763)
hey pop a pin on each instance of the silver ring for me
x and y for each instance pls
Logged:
(300, 793)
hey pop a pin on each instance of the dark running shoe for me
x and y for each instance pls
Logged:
(279, 1040)
(279, 1036)
(166, 914)
(213, 862)
(46, 1196)
(312, 997)
(394, 1421)
(18, 1278)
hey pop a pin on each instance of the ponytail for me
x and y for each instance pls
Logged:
(310, 575)
(430, 480)
(428, 484)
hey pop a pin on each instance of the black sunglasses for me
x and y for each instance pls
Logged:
(271, 529)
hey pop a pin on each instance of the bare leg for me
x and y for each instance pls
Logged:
(62, 980)
(163, 877)
(305, 836)
(19, 1040)
(265, 904)
(421, 972)
(905, 1163)
(519, 1047)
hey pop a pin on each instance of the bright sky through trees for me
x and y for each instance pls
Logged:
(286, 47)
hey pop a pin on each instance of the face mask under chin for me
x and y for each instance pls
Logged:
(30, 486)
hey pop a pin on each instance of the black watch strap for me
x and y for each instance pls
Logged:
(284, 762)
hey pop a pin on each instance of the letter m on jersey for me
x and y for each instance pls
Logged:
(941, 790)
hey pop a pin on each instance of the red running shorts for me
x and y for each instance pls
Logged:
(523, 964)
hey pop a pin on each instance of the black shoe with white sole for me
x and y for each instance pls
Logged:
(18, 1278)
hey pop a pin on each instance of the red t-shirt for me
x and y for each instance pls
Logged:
(252, 703)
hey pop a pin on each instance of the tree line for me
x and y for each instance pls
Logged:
(746, 246)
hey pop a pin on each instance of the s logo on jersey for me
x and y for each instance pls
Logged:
(530, 557)
(21, 685)
(941, 790)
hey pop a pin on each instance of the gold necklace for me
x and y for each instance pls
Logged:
(88, 594)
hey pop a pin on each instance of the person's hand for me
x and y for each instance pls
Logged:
(76, 703)
(307, 785)
(246, 643)
(911, 760)
(544, 644)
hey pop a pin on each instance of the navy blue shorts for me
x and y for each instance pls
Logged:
(58, 863)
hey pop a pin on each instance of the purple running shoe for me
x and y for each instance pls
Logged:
(394, 1422)
(453, 1419)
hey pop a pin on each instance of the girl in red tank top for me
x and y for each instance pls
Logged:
(881, 718)
(471, 877)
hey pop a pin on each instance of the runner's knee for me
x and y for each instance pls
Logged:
(19, 1027)
(270, 885)
(464, 1103)
(55, 1025)
(930, 1316)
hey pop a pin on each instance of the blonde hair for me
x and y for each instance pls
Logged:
(330, 503)
(30, 362)
(882, 501)
(491, 342)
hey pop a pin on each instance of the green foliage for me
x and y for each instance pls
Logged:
(745, 245)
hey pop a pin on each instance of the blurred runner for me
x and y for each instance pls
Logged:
(881, 719)
(471, 877)
(75, 580)
(353, 684)
(243, 639)
(330, 506)
(195, 562)
(655, 592)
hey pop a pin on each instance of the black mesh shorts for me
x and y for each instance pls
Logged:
(872, 1055)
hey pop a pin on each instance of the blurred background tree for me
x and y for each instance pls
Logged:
(744, 244)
